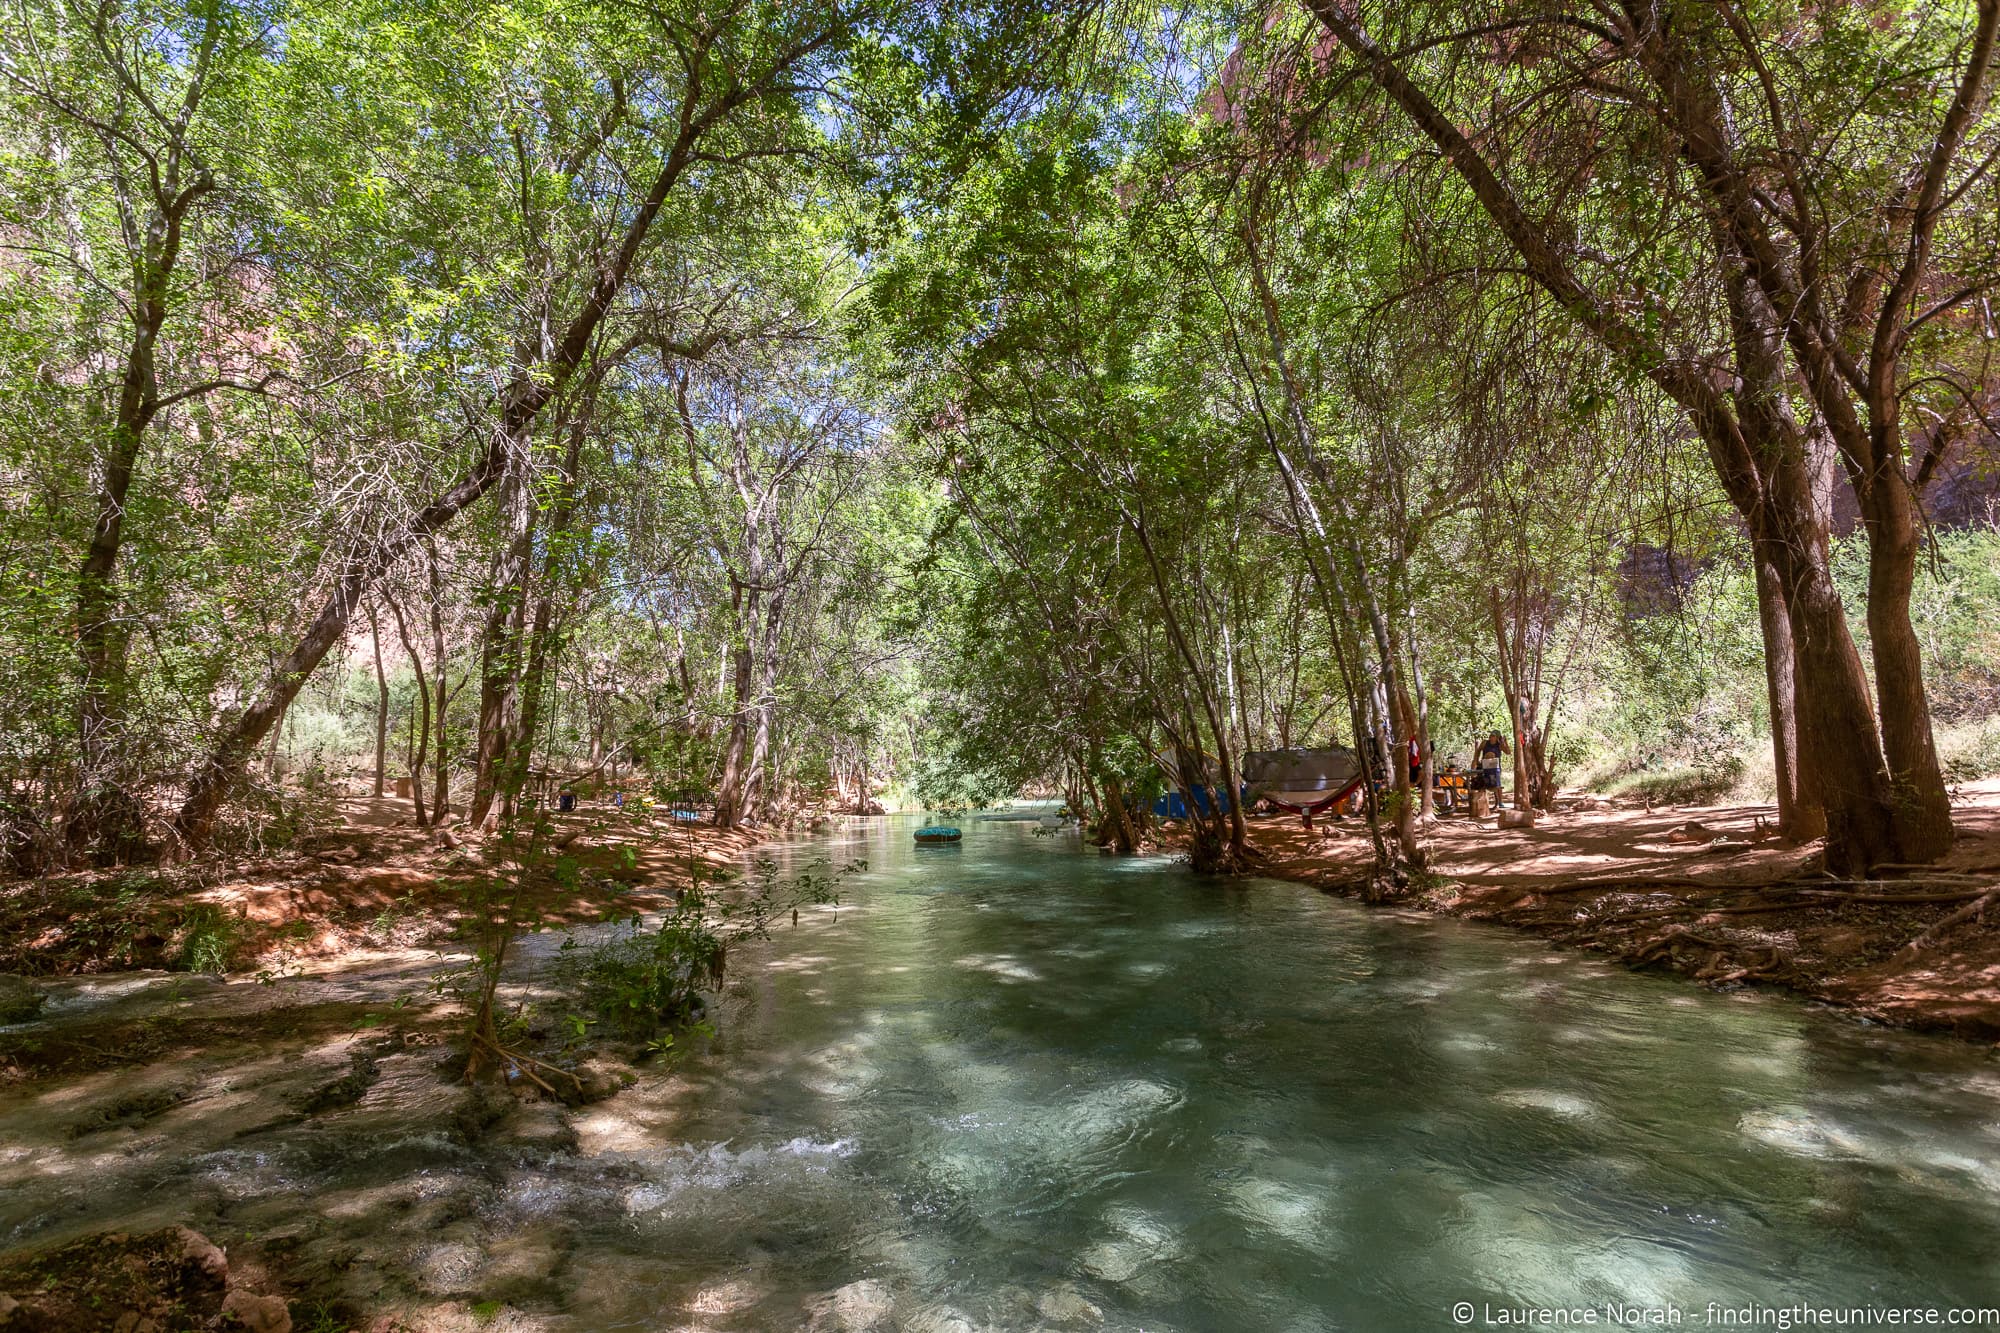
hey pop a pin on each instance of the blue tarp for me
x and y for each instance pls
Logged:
(1174, 804)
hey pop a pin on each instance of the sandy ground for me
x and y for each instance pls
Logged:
(327, 1035)
(376, 880)
(1710, 892)
(1707, 891)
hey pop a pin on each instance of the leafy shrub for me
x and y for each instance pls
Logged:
(642, 981)
(1705, 782)
(207, 939)
(267, 818)
(954, 782)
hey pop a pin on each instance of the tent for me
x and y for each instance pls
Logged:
(1207, 798)
(1307, 781)
(1174, 804)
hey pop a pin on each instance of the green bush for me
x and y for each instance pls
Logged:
(955, 782)
(1709, 782)
(642, 981)
(1970, 751)
(207, 938)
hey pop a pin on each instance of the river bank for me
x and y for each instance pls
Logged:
(371, 880)
(177, 1026)
(1002, 1086)
(1711, 893)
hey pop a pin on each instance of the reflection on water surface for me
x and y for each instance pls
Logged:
(1015, 1085)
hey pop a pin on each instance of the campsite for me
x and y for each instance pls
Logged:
(1043, 665)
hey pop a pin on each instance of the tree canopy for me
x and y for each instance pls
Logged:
(781, 406)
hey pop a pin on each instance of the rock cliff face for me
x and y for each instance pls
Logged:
(1964, 493)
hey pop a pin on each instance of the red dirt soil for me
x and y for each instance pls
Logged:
(1724, 901)
(375, 880)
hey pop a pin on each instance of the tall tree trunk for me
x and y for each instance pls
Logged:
(548, 578)
(1921, 808)
(440, 713)
(1784, 501)
(1800, 817)
(1510, 688)
(730, 792)
(534, 676)
(1114, 826)
(277, 740)
(1836, 717)
(1428, 783)
(760, 786)
(421, 716)
(500, 644)
(154, 253)
(381, 701)
(100, 643)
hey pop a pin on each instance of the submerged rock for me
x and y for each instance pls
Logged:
(858, 1305)
(258, 1314)
(942, 1320)
(1066, 1305)
(596, 1079)
(202, 1254)
(536, 1127)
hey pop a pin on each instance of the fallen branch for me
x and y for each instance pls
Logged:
(1677, 935)
(1831, 895)
(505, 1059)
(1928, 880)
(1976, 908)
(1914, 865)
(1629, 884)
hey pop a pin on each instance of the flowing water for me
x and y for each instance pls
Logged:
(1017, 1085)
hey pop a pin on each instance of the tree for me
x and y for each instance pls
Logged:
(1878, 808)
(135, 112)
(733, 91)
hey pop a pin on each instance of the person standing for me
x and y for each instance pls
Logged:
(1492, 758)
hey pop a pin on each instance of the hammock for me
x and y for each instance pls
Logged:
(1308, 782)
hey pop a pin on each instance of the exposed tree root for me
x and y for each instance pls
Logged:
(488, 1051)
(1939, 929)
(1675, 935)
(1834, 896)
(1636, 883)
(1700, 909)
